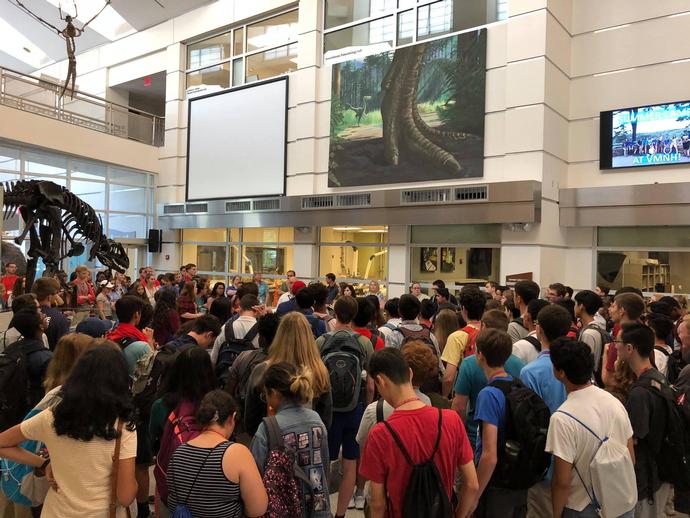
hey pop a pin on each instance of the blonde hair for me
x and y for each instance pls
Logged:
(67, 351)
(81, 268)
(445, 324)
(294, 343)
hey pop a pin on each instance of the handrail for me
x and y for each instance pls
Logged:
(132, 124)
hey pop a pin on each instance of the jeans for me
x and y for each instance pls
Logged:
(590, 512)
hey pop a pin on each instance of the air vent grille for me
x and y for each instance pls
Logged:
(472, 193)
(354, 200)
(317, 202)
(238, 206)
(197, 207)
(173, 209)
(411, 197)
(270, 204)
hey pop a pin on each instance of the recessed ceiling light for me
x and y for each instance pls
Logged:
(373, 231)
(20, 47)
(347, 229)
(27, 49)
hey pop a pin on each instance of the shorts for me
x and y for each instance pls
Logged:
(144, 450)
(343, 432)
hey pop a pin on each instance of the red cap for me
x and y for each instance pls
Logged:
(298, 285)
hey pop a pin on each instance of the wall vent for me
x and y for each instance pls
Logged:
(318, 202)
(195, 208)
(238, 206)
(362, 199)
(472, 193)
(269, 204)
(173, 209)
(412, 197)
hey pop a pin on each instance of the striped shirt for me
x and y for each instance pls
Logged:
(212, 494)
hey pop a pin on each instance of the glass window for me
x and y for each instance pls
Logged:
(216, 75)
(405, 27)
(273, 31)
(127, 176)
(40, 163)
(8, 177)
(449, 16)
(354, 261)
(340, 12)
(454, 264)
(663, 237)
(127, 226)
(371, 234)
(9, 159)
(237, 72)
(269, 235)
(234, 262)
(238, 41)
(88, 170)
(271, 260)
(271, 63)
(204, 235)
(58, 180)
(206, 257)
(452, 234)
(208, 51)
(377, 31)
(92, 193)
(648, 271)
(125, 198)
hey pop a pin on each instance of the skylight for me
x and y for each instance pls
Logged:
(109, 23)
(20, 47)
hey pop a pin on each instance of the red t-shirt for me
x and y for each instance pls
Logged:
(380, 344)
(383, 462)
(611, 353)
(9, 282)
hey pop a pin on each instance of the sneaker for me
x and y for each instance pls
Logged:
(351, 505)
(359, 502)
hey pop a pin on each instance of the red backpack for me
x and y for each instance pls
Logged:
(471, 346)
(180, 428)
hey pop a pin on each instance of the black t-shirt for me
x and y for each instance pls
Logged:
(647, 412)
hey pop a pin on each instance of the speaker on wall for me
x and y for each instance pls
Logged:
(155, 240)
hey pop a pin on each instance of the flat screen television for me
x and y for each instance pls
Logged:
(657, 134)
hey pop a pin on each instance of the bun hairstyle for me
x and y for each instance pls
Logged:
(215, 407)
(289, 382)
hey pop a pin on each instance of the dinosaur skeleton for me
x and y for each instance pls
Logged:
(56, 220)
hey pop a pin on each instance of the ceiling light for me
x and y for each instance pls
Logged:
(20, 47)
(373, 231)
(347, 229)
(109, 23)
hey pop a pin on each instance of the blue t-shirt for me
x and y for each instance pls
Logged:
(471, 380)
(538, 376)
(491, 408)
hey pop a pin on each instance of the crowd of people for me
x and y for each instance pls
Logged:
(488, 402)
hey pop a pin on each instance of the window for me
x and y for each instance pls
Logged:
(259, 50)
(9, 159)
(127, 198)
(92, 193)
(127, 226)
(454, 264)
(364, 257)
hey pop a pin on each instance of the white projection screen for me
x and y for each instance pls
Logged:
(236, 142)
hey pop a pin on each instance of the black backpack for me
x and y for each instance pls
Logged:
(14, 386)
(672, 455)
(255, 358)
(425, 494)
(231, 349)
(523, 461)
(674, 365)
(423, 335)
(345, 361)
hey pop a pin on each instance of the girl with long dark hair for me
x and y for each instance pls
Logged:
(166, 319)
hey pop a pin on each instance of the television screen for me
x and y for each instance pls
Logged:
(646, 136)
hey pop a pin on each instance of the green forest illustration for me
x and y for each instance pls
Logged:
(414, 114)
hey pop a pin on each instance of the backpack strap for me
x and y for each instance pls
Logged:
(373, 339)
(275, 441)
(662, 349)
(400, 445)
(229, 331)
(379, 410)
(251, 334)
(534, 341)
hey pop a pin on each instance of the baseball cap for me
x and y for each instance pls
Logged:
(94, 327)
(296, 286)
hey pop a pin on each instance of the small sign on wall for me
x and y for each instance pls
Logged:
(513, 278)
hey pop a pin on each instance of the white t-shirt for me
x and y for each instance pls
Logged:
(660, 359)
(284, 298)
(593, 339)
(240, 327)
(573, 443)
(525, 350)
(82, 469)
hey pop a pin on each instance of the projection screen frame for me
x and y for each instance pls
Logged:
(285, 143)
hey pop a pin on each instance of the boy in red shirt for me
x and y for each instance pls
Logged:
(365, 313)
(384, 464)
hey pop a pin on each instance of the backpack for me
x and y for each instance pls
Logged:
(181, 509)
(672, 455)
(231, 349)
(180, 428)
(523, 462)
(614, 486)
(282, 476)
(674, 364)
(379, 410)
(425, 494)
(534, 341)
(422, 335)
(344, 359)
(606, 339)
(14, 386)
(471, 346)
(255, 358)
(314, 322)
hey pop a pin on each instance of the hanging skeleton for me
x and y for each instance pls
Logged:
(68, 34)
(56, 220)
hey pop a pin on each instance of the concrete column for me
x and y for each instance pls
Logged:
(398, 260)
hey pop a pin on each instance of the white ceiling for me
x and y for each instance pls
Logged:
(121, 18)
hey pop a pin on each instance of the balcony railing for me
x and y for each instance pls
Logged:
(36, 95)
